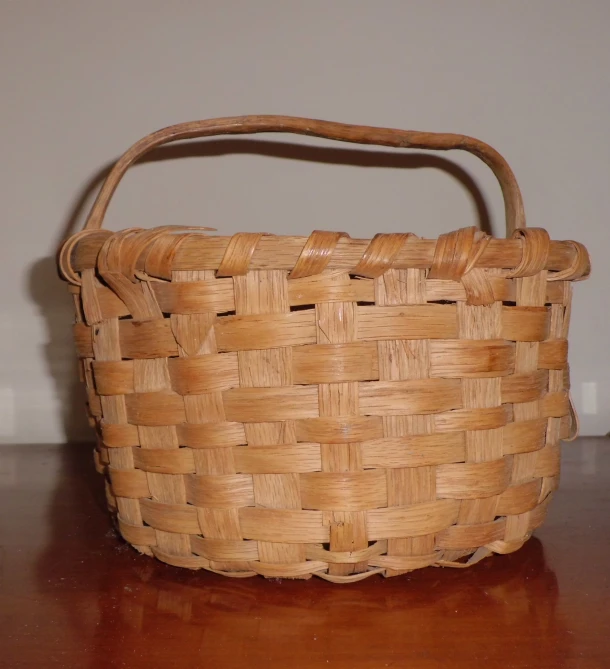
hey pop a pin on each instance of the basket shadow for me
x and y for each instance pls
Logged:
(57, 308)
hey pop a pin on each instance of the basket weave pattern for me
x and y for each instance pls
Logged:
(325, 406)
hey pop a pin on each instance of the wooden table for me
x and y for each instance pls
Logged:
(72, 594)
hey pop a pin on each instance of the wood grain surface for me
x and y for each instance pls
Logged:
(73, 594)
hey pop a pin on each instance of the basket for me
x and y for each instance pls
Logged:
(326, 406)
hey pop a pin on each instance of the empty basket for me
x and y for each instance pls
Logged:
(290, 406)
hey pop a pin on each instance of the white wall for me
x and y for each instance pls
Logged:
(81, 81)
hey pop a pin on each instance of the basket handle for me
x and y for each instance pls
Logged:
(513, 202)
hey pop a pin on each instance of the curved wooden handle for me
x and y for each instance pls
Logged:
(237, 125)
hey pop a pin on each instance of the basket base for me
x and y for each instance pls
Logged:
(456, 559)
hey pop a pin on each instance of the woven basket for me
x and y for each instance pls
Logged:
(290, 406)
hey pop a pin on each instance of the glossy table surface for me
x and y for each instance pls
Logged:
(72, 594)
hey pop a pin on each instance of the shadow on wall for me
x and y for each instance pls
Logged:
(57, 307)
(55, 303)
